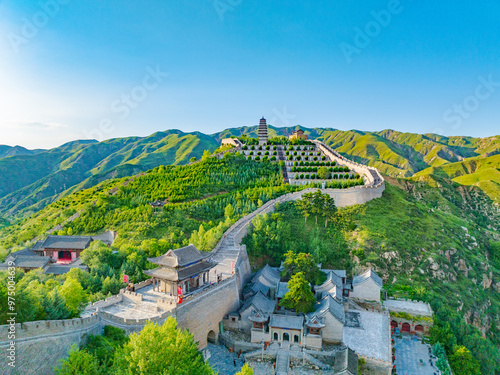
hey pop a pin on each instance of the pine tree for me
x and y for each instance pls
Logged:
(299, 296)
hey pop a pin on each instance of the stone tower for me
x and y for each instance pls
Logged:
(262, 131)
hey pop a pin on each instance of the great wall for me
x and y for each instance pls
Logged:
(39, 345)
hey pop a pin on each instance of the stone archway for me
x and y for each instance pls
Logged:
(275, 336)
(419, 328)
(286, 337)
(394, 324)
(406, 327)
(212, 337)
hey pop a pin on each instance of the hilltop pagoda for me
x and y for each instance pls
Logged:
(262, 131)
(180, 271)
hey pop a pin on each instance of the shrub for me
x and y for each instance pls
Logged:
(307, 177)
(251, 153)
(273, 158)
(302, 176)
(245, 147)
(298, 157)
(323, 157)
(252, 148)
(268, 147)
(290, 157)
(257, 158)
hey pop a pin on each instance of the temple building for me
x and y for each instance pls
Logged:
(180, 271)
(62, 249)
(262, 131)
(298, 134)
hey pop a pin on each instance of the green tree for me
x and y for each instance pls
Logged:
(79, 362)
(55, 306)
(305, 205)
(229, 211)
(323, 173)
(206, 155)
(328, 208)
(163, 350)
(299, 296)
(245, 370)
(74, 295)
(305, 264)
(192, 160)
(463, 363)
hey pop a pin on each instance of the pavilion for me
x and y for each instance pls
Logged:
(180, 271)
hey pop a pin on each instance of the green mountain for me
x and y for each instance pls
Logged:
(31, 181)
(6, 151)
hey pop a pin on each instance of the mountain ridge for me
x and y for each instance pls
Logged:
(33, 180)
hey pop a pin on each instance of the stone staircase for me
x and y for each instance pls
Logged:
(282, 362)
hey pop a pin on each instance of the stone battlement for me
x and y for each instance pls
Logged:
(46, 327)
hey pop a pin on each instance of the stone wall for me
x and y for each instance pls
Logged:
(39, 345)
(203, 313)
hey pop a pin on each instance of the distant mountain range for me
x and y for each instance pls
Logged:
(34, 178)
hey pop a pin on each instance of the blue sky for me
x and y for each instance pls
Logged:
(73, 69)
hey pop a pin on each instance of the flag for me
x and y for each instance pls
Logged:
(125, 278)
(179, 299)
(179, 291)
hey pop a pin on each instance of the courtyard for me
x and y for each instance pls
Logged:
(412, 357)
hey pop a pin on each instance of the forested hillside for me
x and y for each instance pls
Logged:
(201, 201)
(33, 179)
(439, 245)
(30, 182)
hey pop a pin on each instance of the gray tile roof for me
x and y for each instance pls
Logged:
(37, 246)
(29, 261)
(179, 257)
(340, 273)
(369, 274)
(258, 286)
(268, 276)
(107, 237)
(287, 321)
(330, 283)
(352, 362)
(59, 269)
(67, 242)
(259, 302)
(282, 289)
(174, 274)
(330, 305)
(24, 252)
(315, 321)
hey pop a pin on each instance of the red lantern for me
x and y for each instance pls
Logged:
(179, 299)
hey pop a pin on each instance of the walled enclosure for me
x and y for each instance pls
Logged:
(39, 345)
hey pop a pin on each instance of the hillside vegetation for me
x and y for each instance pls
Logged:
(32, 181)
(432, 244)
(35, 178)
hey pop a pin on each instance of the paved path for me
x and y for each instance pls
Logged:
(408, 356)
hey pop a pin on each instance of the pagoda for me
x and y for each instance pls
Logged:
(262, 131)
(180, 271)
